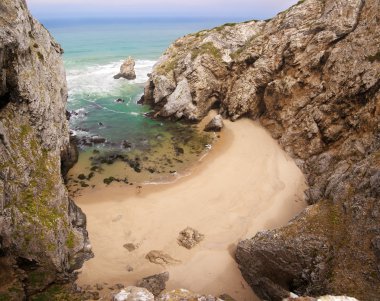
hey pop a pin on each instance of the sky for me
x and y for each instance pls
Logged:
(240, 9)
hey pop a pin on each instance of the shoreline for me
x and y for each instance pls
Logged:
(242, 186)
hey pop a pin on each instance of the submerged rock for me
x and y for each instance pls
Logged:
(126, 144)
(155, 284)
(215, 125)
(127, 70)
(189, 238)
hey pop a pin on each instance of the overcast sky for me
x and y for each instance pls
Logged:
(248, 9)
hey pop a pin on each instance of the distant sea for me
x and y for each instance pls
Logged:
(94, 49)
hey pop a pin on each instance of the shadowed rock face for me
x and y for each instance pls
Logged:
(43, 234)
(311, 75)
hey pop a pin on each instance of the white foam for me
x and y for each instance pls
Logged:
(98, 79)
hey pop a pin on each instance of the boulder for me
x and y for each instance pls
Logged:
(132, 293)
(215, 125)
(155, 284)
(127, 70)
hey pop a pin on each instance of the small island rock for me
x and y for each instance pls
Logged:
(127, 70)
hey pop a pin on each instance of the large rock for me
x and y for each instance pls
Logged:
(42, 233)
(132, 293)
(127, 70)
(215, 124)
(311, 76)
(155, 284)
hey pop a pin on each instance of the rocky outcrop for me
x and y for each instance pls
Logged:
(127, 70)
(42, 233)
(311, 76)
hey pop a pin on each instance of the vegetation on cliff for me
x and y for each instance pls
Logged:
(311, 75)
(42, 233)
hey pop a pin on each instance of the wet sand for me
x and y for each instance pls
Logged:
(245, 184)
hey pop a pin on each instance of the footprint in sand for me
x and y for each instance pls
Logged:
(159, 257)
(131, 246)
(117, 218)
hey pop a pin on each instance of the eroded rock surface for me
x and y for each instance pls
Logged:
(215, 125)
(311, 76)
(155, 284)
(189, 238)
(132, 293)
(43, 235)
(127, 70)
(185, 295)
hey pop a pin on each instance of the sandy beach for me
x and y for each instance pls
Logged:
(245, 184)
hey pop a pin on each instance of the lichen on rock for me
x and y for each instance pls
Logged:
(42, 231)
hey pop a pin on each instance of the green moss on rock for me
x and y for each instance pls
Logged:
(374, 58)
(57, 293)
(207, 48)
(168, 66)
(70, 241)
(5, 297)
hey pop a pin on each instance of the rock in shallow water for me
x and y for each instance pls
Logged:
(127, 70)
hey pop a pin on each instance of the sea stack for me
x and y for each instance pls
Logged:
(127, 70)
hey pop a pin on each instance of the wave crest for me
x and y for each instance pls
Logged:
(98, 79)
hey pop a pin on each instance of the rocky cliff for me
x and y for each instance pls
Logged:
(311, 75)
(42, 232)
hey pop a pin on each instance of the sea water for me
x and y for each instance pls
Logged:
(94, 49)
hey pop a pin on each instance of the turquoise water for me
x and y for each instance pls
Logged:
(94, 51)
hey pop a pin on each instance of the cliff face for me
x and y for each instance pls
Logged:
(311, 75)
(42, 232)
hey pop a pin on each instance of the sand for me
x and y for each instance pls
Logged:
(244, 185)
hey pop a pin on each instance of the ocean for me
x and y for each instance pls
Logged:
(94, 49)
